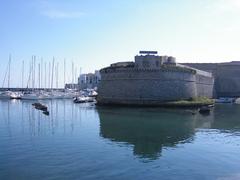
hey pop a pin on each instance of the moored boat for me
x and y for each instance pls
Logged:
(93, 93)
(30, 96)
(204, 110)
(224, 100)
(237, 101)
(83, 99)
(40, 106)
(5, 95)
(16, 95)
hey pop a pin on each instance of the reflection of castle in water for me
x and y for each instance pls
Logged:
(149, 131)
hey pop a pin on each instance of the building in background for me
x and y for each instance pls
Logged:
(71, 86)
(89, 81)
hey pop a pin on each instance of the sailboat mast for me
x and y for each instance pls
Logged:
(49, 73)
(39, 77)
(6, 74)
(57, 74)
(45, 69)
(75, 77)
(72, 72)
(52, 73)
(33, 70)
(30, 74)
(56, 71)
(9, 72)
(35, 83)
(22, 73)
(41, 68)
(64, 81)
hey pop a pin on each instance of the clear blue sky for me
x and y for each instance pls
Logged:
(95, 33)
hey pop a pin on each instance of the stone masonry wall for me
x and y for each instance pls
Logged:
(227, 77)
(151, 86)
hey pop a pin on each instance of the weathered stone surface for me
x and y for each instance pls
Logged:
(152, 80)
(227, 77)
(151, 87)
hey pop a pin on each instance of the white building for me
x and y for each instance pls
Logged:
(89, 81)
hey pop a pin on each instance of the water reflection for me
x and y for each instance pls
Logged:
(149, 130)
(225, 117)
(22, 117)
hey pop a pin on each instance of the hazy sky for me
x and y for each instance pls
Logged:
(95, 33)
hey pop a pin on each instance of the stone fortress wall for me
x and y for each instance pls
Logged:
(152, 80)
(227, 77)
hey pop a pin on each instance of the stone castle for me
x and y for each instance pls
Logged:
(152, 80)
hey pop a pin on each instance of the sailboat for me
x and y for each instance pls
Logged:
(7, 94)
(31, 95)
(35, 95)
(18, 94)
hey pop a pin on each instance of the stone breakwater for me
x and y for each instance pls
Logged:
(132, 86)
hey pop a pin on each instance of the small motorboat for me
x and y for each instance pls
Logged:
(224, 100)
(5, 95)
(30, 96)
(40, 106)
(204, 110)
(46, 113)
(92, 93)
(237, 101)
(83, 99)
(16, 95)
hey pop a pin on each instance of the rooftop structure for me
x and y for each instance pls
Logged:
(148, 52)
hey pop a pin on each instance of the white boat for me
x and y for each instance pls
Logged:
(237, 101)
(5, 95)
(71, 94)
(16, 95)
(58, 95)
(92, 93)
(30, 96)
(10, 95)
(34, 96)
(83, 99)
(224, 100)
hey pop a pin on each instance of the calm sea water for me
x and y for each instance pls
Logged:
(79, 141)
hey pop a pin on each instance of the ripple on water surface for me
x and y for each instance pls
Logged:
(79, 141)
